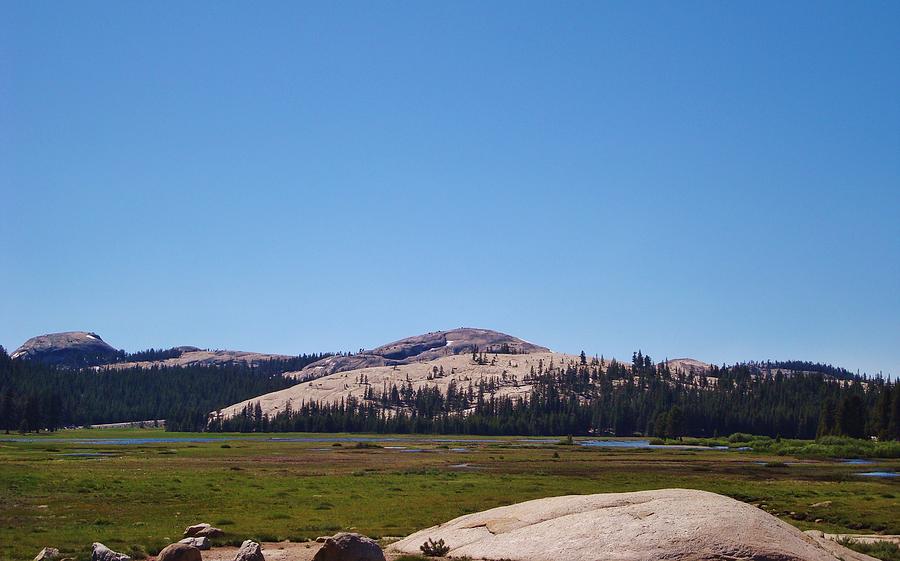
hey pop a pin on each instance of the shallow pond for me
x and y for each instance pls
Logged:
(879, 474)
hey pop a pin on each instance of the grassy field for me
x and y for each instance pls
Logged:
(139, 497)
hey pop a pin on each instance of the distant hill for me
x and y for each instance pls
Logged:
(80, 349)
(422, 348)
(464, 380)
(507, 375)
(71, 348)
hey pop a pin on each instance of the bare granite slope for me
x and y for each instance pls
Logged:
(506, 370)
(192, 356)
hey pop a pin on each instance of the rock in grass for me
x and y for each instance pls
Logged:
(201, 543)
(202, 530)
(47, 554)
(192, 531)
(349, 547)
(179, 552)
(665, 524)
(100, 552)
(249, 551)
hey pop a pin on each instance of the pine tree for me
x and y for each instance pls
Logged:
(827, 422)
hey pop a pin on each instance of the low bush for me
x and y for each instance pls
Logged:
(433, 548)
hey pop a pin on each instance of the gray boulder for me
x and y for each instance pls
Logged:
(349, 547)
(47, 554)
(192, 531)
(249, 551)
(202, 530)
(201, 543)
(100, 552)
(210, 533)
(179, 552)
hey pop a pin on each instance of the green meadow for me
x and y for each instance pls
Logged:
(137, 498)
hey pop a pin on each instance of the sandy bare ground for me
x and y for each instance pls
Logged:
(305, 551)
(277, 551)
(272, 551)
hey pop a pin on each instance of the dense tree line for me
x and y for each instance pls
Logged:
(34, 396)
(584, 397)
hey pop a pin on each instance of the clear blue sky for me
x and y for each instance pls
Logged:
(718, 180)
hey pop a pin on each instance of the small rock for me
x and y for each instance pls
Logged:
(47, 554)
(201, 543)
(100, 552)
(179, 552)
(192, 531)
(209, 532)
(249, 551)
(819, 521)
(349, 547)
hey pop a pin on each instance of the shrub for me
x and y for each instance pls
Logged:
(433, 548)
(882, 550)
(740, 437)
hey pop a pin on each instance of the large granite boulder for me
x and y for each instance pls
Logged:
(74, 349)
(667, 524)
(249, 551)
(100, 552)
(179, 552)
(349, 547)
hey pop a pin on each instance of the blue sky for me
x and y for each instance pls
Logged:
(708, 179)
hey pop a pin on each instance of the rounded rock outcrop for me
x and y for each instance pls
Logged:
(75, 349)
(666, 524)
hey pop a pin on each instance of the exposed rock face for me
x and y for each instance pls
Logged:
(47, 554)
(100, 552)
(249, 551)
(688, 365)
(72, 348)
(421, 348)
(179, 552)
(201, 543)
(333, 364)
(667, 524)
(349, 547)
